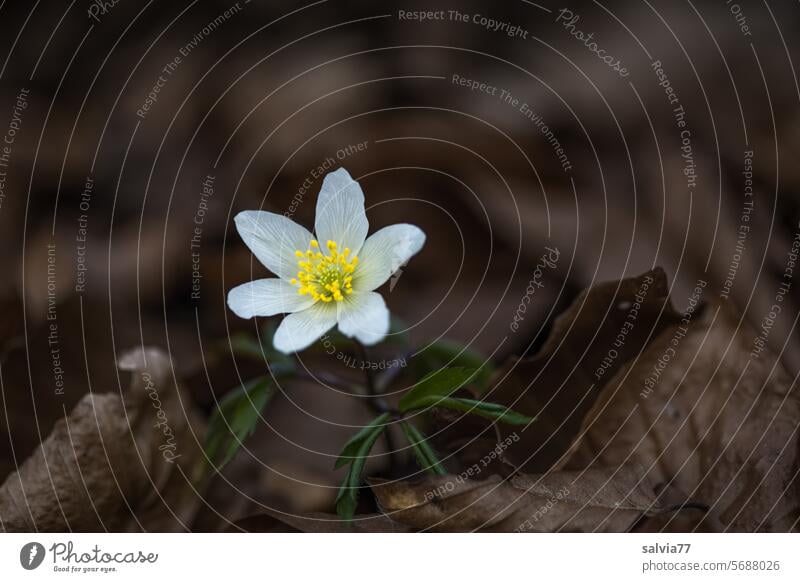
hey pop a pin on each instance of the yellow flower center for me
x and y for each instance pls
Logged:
(326, 277)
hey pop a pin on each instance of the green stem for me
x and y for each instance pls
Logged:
(377, 402)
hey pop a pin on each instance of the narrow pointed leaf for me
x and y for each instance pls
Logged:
(236, 418)
(426, 457)
(347, 499)
(350, 449)
(446, 353)
(440, 383)
(478, 408)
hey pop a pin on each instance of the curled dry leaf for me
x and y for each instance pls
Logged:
(695, 400)
(576, 501)
(560, 383)
(279, 522)
(117, 463)
(714, 415)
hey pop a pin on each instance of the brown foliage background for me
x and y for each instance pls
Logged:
(272, 93)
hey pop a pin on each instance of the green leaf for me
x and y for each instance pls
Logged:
(242, 344)
(446, 353)
(236, 418)
(246, 346)
(440, 383)
(352, 446)
(347, 500)
(478, 408)
(426, 457)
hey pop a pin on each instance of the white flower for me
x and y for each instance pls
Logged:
(327, 279)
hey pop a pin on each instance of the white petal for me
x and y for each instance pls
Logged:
(385, 252)
(299, 330)
(365, 316)
(340, 212)
(273, 239)
(267, 297)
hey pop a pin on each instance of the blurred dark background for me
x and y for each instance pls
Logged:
(267, 92)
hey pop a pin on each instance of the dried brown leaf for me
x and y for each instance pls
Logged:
(720, 423)
(591, 500)
(559, 385)
(118, 463)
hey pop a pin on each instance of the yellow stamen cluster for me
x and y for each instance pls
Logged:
(326, 277)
